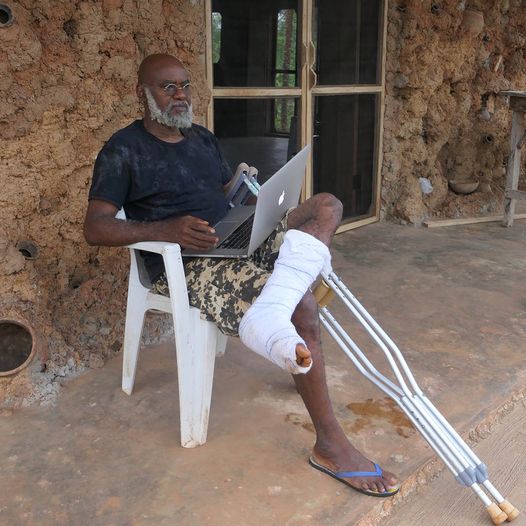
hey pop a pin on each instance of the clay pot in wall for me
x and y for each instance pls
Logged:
(473, 22)
(463, 187)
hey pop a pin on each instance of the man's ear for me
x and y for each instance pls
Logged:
(139, 89)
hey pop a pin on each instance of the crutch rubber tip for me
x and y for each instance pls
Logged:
(496, 514)
(509, 509)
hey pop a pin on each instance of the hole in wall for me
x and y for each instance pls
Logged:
(488, 139)
(28, 249)
(70, 27)
(75, 282)
(17, 347)
(6, 15)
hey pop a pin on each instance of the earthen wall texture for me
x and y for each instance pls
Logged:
(67, 78)
(67, 82)
(446, 63)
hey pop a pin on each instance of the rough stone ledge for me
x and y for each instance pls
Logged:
(431, 469)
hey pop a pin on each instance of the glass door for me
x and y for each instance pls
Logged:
(285, 73)
(256, 86)
(346, 101)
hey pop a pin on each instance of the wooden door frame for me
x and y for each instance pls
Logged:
(306, 93)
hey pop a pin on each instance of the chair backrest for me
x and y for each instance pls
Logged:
(142, 272)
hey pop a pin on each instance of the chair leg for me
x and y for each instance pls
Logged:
(221, 343)
(195, 368)
(135, 314)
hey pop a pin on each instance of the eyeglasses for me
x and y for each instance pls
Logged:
(171, 88)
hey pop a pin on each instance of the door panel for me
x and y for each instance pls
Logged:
(285, 73)
(247, 131)
(344, 150)
(346, 37)
(255, 43)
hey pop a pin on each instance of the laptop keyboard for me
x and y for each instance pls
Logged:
(240, 237)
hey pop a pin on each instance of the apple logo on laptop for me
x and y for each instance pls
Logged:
(281, 198)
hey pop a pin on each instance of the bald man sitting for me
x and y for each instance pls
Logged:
(170, 176)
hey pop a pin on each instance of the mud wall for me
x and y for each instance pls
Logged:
(67, 78)
(446, 62)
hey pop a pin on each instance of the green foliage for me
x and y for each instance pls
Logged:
(216, 37)
(286, 37)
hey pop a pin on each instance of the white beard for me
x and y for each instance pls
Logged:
(181, 120)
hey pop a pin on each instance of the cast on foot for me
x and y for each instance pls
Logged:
(266, 327)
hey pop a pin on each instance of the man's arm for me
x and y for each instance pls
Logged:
(101, 228)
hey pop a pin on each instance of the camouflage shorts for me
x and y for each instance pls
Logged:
(224, 289)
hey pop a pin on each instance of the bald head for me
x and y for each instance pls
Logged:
(153, 65)
(164, 89)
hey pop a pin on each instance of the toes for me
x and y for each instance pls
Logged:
(377, 485)
(390, 480)
(303, 356)
(367, 486)
(381, 487)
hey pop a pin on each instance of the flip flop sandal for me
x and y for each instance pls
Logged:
(342, 475)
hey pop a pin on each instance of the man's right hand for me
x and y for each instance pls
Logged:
(190, 232)
(102, 229)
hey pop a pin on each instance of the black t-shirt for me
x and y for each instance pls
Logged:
(153, 179)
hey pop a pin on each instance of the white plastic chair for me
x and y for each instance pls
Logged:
(197, 341)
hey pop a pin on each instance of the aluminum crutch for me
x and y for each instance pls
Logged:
(458, 457)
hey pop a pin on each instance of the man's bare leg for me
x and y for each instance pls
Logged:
(320, 217)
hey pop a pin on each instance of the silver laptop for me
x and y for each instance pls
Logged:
(244, 228)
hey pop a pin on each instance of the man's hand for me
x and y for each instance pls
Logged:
(102, 229)
(190, 232)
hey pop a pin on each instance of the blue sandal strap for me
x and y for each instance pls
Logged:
(351, 474)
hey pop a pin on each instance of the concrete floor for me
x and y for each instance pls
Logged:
(442, 504)
(452, 298)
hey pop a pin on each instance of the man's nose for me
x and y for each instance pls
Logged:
(180, 94)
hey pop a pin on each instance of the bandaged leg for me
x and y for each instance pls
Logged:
(266, 327)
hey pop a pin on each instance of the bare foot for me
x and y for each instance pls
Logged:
(303, 356)
(345, 457)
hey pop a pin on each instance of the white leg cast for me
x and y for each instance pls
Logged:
(266, 327)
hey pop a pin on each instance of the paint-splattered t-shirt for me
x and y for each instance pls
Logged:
(153, 179)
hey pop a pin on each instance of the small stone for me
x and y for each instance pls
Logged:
(401, 81)
(425, 185)
(399, 459)
(95, 361)
(485, 115)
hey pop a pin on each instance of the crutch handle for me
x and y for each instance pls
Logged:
(509, 509)
(496, 514)
(323, 293)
